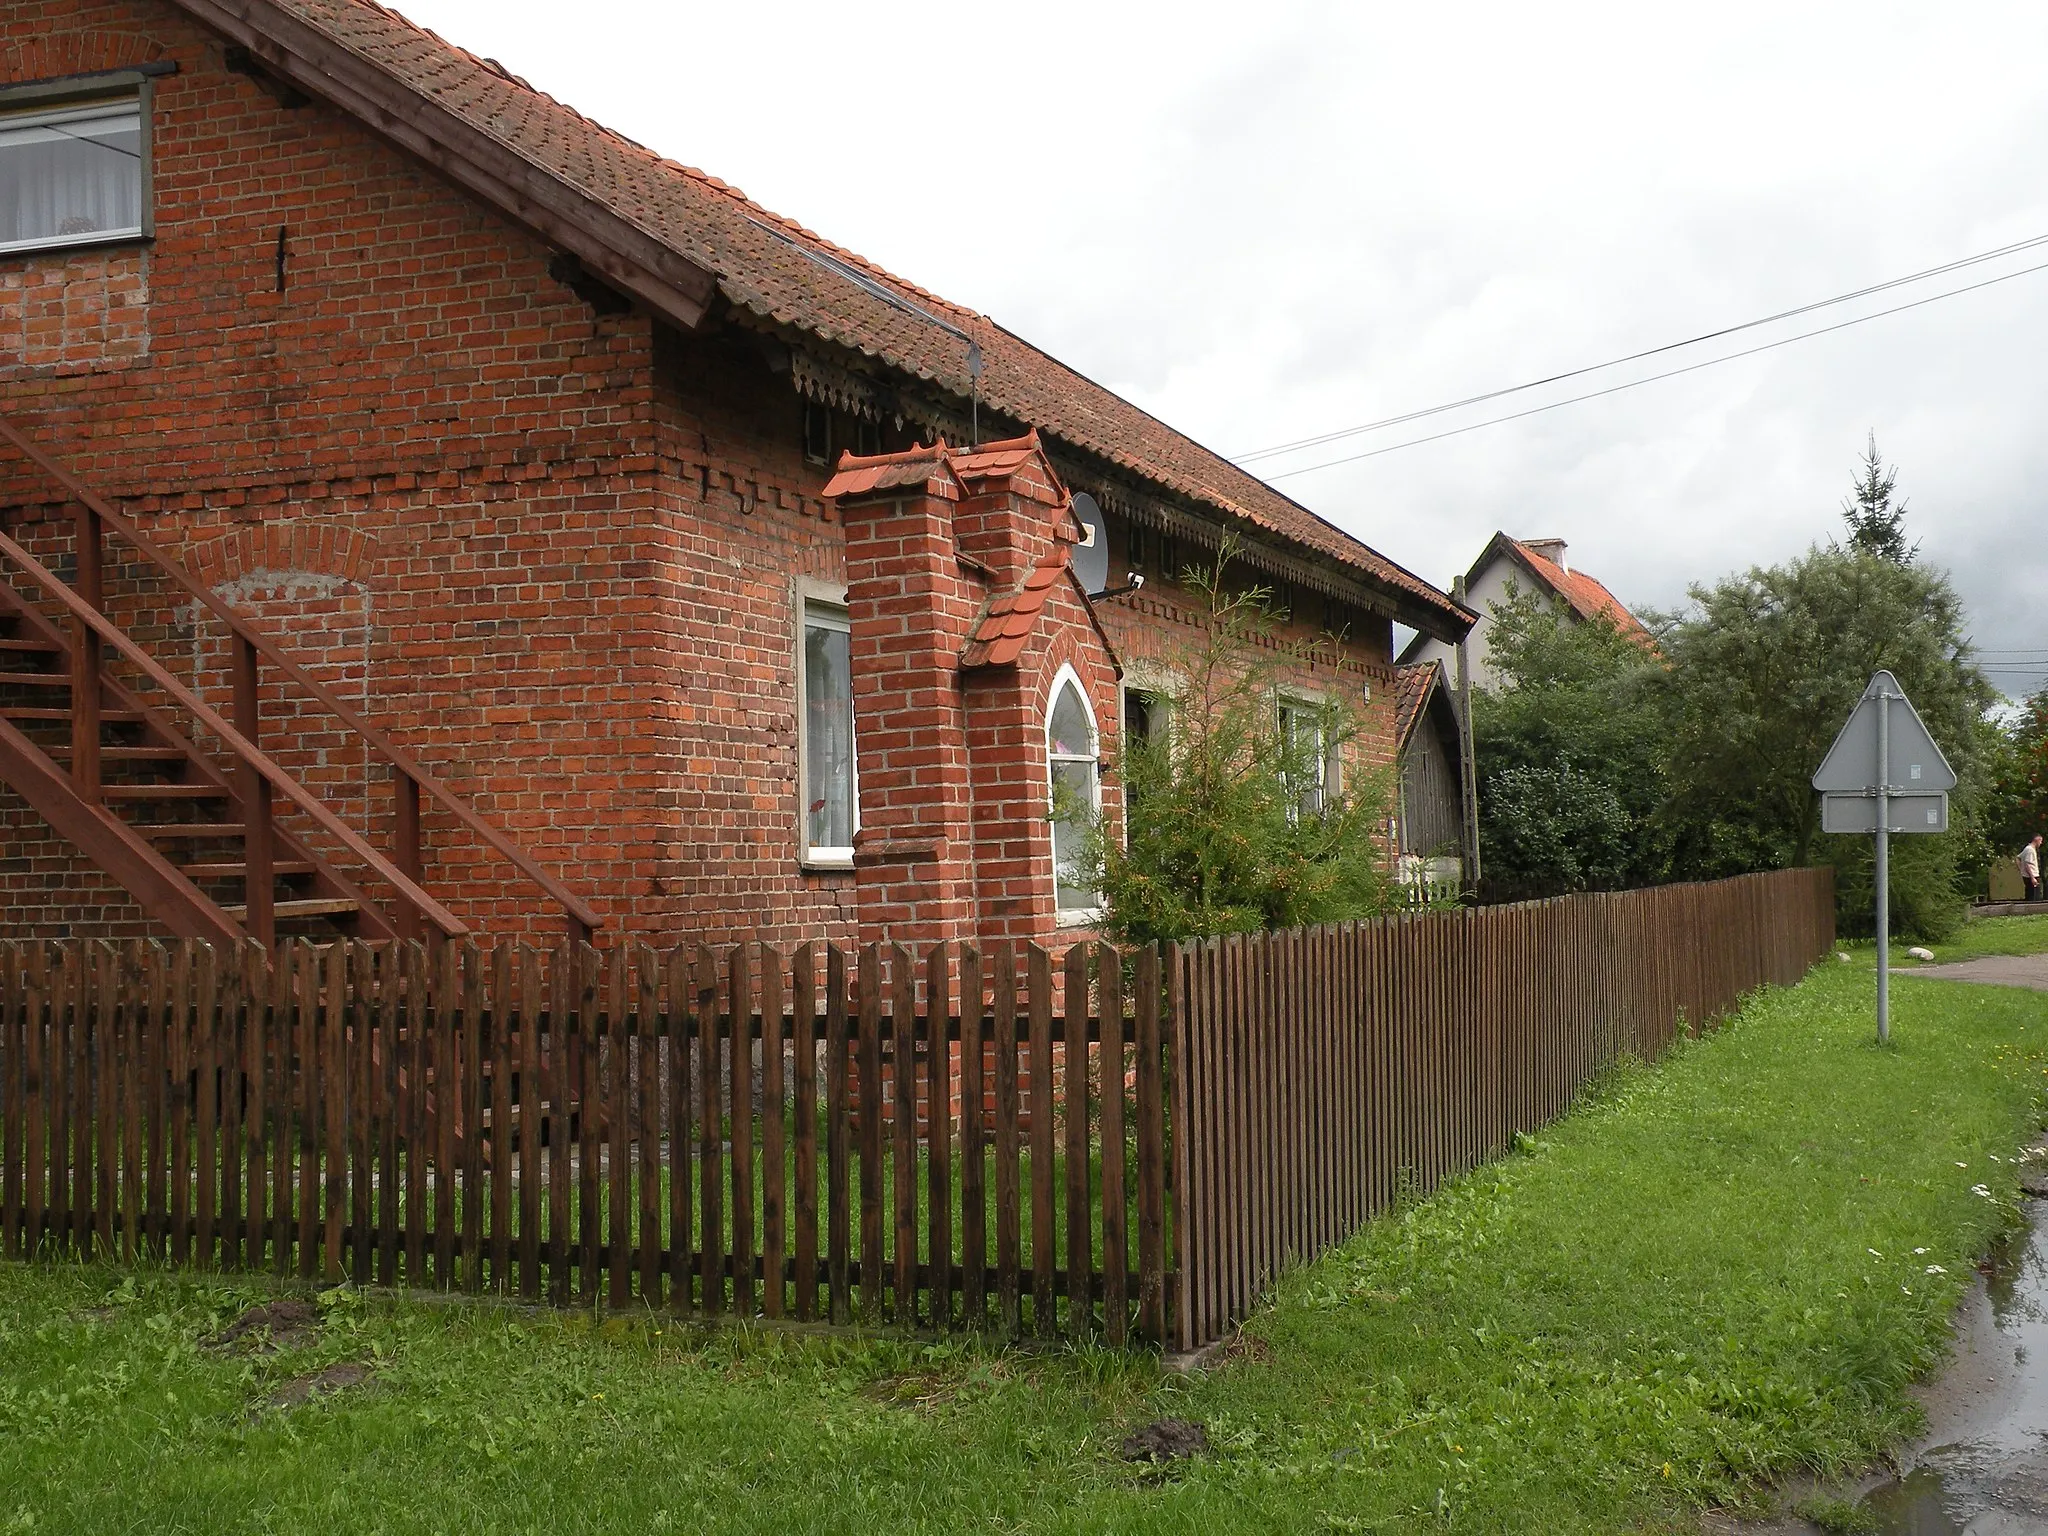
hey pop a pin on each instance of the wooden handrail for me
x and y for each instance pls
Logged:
(402, 761)
(112, 634)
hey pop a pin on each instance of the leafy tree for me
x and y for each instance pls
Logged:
(1569, 747)
(1231, 824)
(2017, 797)
(1766, 668)
(1876, 525)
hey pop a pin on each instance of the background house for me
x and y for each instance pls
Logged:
(520, 440)
(1536, 567)
(1434, 832)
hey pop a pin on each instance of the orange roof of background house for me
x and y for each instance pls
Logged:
(776, 268)
(1587, 597)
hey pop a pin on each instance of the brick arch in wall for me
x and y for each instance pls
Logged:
(302, 583)
(78, 53)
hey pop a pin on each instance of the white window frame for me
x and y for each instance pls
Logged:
(1290, 706)
(45, 102)
(1073, 917)
(821, 607)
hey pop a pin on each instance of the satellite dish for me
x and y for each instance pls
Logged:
(1091, 555)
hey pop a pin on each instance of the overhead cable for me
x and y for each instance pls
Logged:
(1277, 449)
(1615, 389)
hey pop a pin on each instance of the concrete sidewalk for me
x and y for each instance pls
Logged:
(1993, 970)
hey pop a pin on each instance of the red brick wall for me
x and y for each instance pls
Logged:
(558, 553)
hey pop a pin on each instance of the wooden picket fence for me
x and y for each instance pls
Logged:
(714, 1131)
(1118, 1144)
(1321, 1073)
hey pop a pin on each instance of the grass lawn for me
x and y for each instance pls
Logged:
(1711, 1273)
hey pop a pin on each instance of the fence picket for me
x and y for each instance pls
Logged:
(1044, 1255)
(973, 1145)
(615, 1067)
(682, 1241)
(1009, 1223)
(740, 1128)
(774, 1137)
(938, 1012)
(838, 1142)
(803, 1001)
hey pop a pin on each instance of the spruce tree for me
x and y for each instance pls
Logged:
(1877, 526)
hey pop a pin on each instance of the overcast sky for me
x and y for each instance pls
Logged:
(1262, 222)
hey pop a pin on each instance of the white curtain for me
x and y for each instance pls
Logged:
(73, 174)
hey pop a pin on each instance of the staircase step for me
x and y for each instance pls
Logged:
(110, 754)
(170, 831)
(286, 911)
(107, 716)
(29, 648)
(36, 679)
(161, 792)
(236, 869)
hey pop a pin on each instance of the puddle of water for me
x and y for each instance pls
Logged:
(1982, 1468)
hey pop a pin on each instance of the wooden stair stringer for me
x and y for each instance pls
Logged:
(112, 844)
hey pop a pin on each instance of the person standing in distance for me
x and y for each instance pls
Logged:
(2030, 867)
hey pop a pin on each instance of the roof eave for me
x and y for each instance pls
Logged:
(613, 248)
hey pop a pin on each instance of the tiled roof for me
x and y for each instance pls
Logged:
(783, 272)
(1000, 633)
(887, 471)
(1412, 687)
(1588, 599)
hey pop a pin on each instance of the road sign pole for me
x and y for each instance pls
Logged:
(1884, 872)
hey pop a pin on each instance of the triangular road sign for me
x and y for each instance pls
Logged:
(1917, 765)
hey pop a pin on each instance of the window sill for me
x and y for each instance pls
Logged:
(828, 864)
(101, 240)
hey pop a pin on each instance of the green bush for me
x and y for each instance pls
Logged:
(1926, 900)
(1232, 824)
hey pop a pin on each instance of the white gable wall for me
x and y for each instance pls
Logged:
(1488, 587)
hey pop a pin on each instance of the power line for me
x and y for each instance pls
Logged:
(1615, 389)
(1557, 378)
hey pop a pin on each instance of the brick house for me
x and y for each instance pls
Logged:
(424, 508)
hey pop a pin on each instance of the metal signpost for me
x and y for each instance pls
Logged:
(1884, 774)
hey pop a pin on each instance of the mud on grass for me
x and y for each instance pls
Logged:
(1704, 1279)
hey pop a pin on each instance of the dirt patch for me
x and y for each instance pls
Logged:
(303, 1389)
(1243, 1349)
(921, 1390)
(283, 1324)
(1165, 1440)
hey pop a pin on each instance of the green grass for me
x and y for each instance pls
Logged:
(1705, 1277)
(1979, 937)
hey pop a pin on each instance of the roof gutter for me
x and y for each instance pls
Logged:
(624, 255)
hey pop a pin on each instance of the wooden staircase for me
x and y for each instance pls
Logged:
(171, 804)
(195, 839)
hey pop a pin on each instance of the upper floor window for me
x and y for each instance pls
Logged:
(831, 804)
(1073, 771)
(72, 173)
(829, 433)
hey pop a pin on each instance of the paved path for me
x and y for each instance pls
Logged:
(1993, 970)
